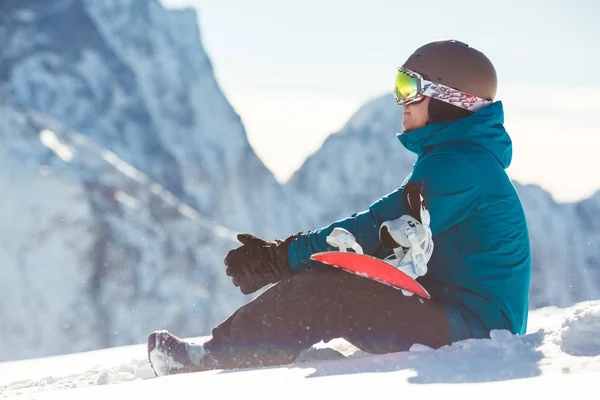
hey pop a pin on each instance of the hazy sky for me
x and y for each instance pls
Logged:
(297, 70)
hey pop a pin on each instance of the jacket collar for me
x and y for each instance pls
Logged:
(484, 128)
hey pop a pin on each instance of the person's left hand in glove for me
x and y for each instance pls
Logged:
(257, 262)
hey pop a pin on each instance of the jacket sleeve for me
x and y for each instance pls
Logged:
(450, 190)
(364, 226)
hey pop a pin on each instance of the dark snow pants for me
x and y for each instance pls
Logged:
(324, 303)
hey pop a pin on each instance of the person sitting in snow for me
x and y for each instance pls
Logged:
(478, 273)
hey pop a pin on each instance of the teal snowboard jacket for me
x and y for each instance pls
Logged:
(481, 263)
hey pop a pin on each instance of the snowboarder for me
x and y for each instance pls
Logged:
(477, 274)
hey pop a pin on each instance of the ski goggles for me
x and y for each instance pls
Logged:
(411, 88)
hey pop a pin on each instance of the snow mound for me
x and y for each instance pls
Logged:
(579, 333)
(95, 376)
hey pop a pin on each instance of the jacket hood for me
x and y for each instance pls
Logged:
(484, 128)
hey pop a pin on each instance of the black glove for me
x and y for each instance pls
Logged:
(258, 263)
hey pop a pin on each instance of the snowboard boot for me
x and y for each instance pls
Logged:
(170, 355)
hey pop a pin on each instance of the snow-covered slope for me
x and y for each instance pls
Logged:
(93, 253)
(135, 78)
(559, 354)
(365, 161)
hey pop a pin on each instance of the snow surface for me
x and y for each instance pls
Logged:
(559, 354)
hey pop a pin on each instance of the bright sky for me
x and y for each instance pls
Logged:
(296, 71)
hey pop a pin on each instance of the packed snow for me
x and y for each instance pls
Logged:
(560, 353)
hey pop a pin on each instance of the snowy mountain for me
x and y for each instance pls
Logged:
(93, 253)
(354, 167)
(558, 357)
(122, 164)
(365, 161)
(565, 241)
(135, 78)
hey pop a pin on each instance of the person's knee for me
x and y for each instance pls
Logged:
(318, 277)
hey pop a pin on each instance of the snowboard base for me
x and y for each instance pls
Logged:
(371, 268)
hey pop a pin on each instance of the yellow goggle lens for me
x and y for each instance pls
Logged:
(405, 87)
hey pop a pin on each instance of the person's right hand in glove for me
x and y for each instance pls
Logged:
(257, 262)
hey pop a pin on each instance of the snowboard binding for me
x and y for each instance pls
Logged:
(409, 236)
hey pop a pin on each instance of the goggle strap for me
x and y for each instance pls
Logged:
(453, 96)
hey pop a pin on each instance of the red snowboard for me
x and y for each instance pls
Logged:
(372, 268)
